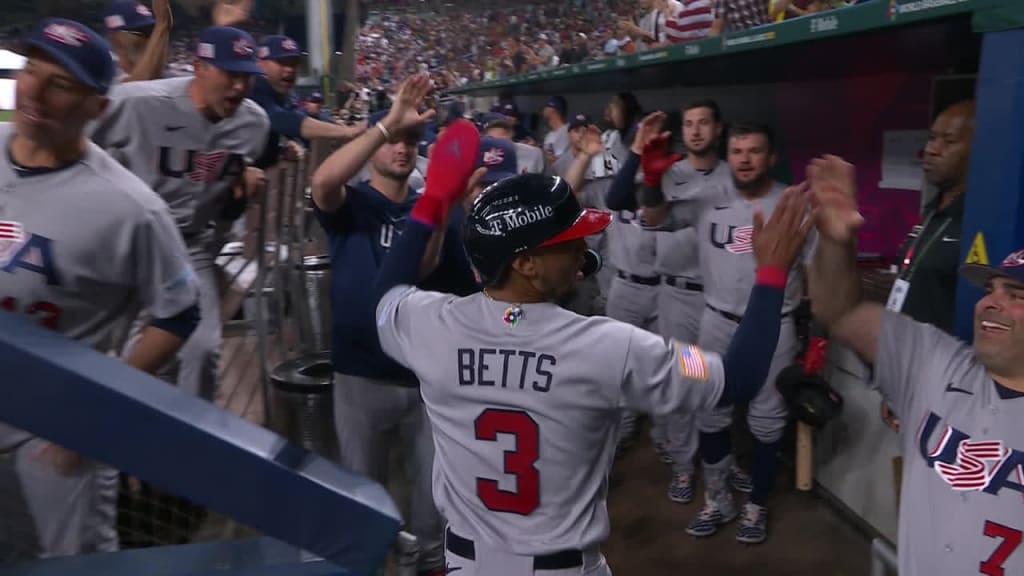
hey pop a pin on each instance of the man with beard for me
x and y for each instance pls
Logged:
(374, 397)
(723, 219)
(279, 58)
(681, 294)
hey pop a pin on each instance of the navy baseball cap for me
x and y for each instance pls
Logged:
(558, 103)
(229, 49)
(1011, 267)
(507, 109)
(127, 15)
(316, 98)
(495, 119)
(499, 157)
(579, 121)
(84, 53)
(278, 48)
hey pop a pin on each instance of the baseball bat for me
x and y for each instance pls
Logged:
(804, 457)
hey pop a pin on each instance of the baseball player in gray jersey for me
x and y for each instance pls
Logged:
(633, 294)
(530, 158)
(84, 247)
(961, 406)
(517, 388)
(193, 140)
(722, 218)
(681, 294)
(588, 169)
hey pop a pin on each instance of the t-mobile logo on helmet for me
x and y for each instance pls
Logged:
(514, 220)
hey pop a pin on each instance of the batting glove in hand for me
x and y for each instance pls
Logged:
(656, 160)
(452, 163)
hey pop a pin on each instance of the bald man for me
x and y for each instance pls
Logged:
(925, 289)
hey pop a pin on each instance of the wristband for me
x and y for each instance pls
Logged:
(429, 210)
(772, 276)
(384, 131)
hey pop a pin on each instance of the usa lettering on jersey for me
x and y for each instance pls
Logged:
(200, 167)
(967, 464)
(738, 239)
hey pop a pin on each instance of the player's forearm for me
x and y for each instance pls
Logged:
(328, 184)
(154, 349)
(154, 58)
(403, 263)
(750, 352)
(313, 129)
(577, 170)
(432, 252)
(622, 193)
(833, 285)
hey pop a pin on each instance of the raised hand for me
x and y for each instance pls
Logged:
(834, 188)
(779, 240)
(651, 127)
(656, 159)
(405, 110)
(592, 145)
(231, 12)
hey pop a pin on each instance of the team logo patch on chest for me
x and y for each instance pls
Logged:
(12, 238)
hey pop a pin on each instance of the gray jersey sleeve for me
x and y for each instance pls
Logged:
(167, 284)
(397, 320)
(664, 377)
(686, 202)
(911, 356)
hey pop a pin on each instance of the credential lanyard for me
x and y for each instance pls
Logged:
(909, 261)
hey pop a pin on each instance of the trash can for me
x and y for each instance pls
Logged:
(302, 403)
(314, 304)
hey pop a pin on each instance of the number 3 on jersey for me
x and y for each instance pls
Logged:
(519, 462)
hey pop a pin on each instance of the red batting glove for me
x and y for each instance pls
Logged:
(452, 163)
(814, 358)
(656, 160)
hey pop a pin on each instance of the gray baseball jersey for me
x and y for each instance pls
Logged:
(154, 129)
(529, 159)
(631, 248)
(676, 251)
(84, 249)
(724, 223)
(557, 141)
(963, 469)
(525, 414)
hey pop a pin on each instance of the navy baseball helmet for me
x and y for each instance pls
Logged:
(524, 212)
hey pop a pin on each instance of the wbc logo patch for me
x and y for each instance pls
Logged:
(12, 238)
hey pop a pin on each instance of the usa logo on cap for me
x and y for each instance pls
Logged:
(242, 47)
(142, 10)
(263, 52)
(494, 156)
(289, 45)
(1014, 260)
(66, 34)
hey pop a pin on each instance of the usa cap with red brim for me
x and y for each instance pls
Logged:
(590, 222)
(1011, 267)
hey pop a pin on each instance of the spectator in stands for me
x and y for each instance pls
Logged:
(279, 58)
(736, 15)
(925, 289)
(693, 21)
(139, 38)
(556, 141)
(649, 30)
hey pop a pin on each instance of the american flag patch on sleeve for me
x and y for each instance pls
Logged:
(691, 362)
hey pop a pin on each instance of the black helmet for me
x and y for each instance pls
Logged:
(524, 212)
